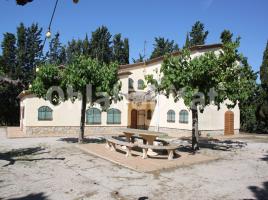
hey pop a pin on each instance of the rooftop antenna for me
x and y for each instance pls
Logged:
(144, 50)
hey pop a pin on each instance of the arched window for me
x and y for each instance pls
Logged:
(171, 116)
(93, 116)
(45, 113)
(130, 83)
(113, 116)
(149, 114)
(183, 117)
(140, 84)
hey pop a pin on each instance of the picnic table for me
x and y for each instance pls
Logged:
(148, 138)
(129, 136)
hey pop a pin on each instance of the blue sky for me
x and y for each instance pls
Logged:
(142, 20)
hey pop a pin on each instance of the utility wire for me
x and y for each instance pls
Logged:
(51, 20)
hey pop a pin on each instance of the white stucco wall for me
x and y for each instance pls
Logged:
(68, 113)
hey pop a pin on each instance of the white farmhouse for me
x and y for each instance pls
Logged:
(137, 110)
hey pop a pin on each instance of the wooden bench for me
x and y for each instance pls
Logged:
(112, 142)
(170, 149)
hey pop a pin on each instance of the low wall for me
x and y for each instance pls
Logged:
(72, 130)
(102, 130)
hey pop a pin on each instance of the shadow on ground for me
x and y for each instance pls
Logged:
(21, 155)
(265, 158)
(260, 193)
(215, 144)
(38, 196)
(86, 140)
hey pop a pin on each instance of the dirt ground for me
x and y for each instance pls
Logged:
(50, 168)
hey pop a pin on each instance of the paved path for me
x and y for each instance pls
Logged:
(47, 168)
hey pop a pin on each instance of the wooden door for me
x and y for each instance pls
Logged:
(229, 123)
(141, 119)
(133, 119)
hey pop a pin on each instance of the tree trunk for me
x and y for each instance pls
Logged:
(82, 120)
(195, 136)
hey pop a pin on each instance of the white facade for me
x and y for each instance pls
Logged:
(66, 116)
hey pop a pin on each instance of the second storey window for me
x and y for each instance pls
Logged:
(93, 116)
(140, 84)
(171, 116)
(113, 116)
(45, 113)
(130, 83)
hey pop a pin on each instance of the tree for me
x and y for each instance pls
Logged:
(163, 46)
(86, 46)
(126, 47)
(198, 35)
(187, 41)
(226, 36)
(73, 49)
(34, 52)
(55, 54)
(120, 50)
(77, 75)
(21, 54)
(264, 69)
(9, 54)
(262, 110)
(9, 88)
(195, 79)
(101, 45)
(140, 59)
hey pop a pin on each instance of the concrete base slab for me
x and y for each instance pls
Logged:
(136, 162)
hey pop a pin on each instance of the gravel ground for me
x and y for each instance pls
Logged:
(47, 168)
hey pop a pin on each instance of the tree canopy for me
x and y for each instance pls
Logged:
(81, 74)
(264, 69)
(226, 36)
(195, 79)
(198, 34)
(163, 46)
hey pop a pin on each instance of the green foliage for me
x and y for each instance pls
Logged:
(78, 74)
(264, 69)
(9, 54)
(101, 45)
(187, 41)
(34, 52)
(140, 59)
(73, 49)
(198, 35)
(163, 46)
(83, 71)
(230, 79)
(56, 54)
(21, 49)
(47, 75)
(226, 36)
(120, 50)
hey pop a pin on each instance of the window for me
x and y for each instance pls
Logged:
(149, 114)
(140, 84)
(93, 116)
(171, 116)
(113, 116)
(45, 113)
(130, 83)
(183, 117)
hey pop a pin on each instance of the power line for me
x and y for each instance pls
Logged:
(49, 26)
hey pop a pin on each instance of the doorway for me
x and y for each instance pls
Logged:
(133, 119)
(141, 119)
(229, 123)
